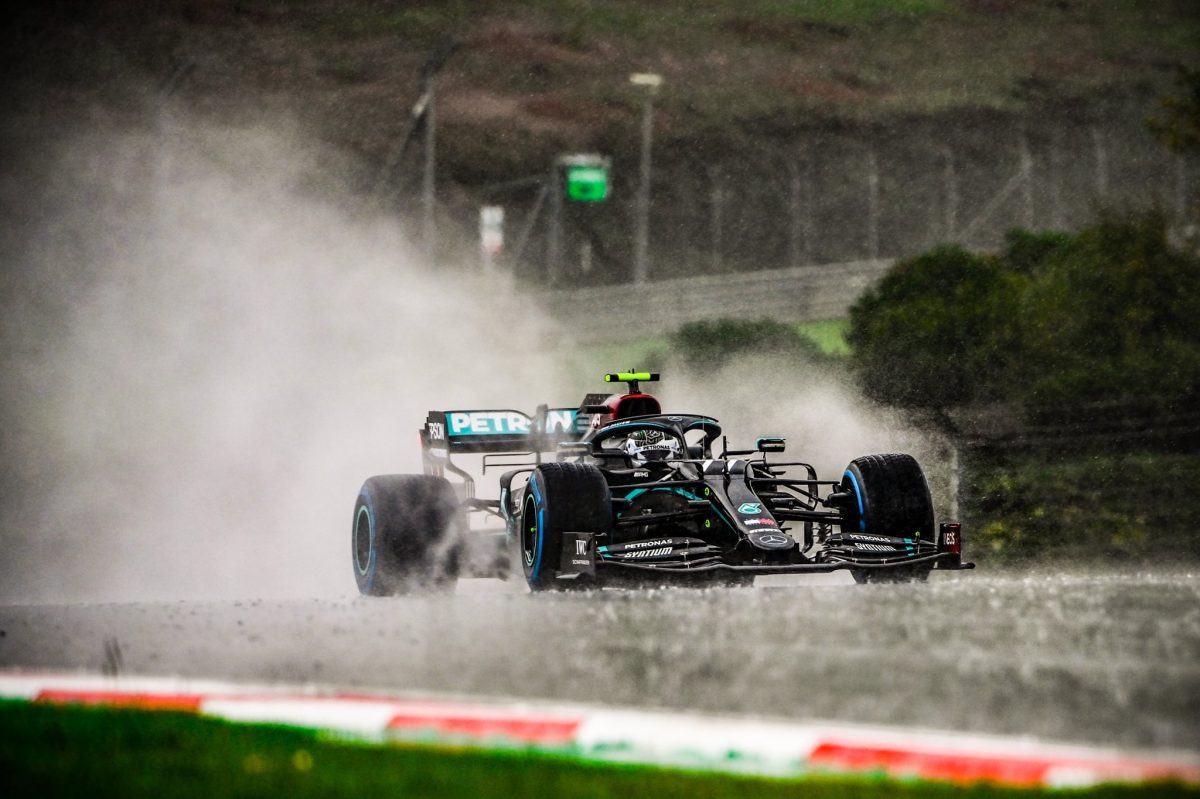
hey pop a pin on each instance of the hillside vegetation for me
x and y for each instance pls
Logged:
(557, 69)
(747, 86)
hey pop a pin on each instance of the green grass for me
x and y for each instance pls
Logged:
(829, 335)
(50, 751)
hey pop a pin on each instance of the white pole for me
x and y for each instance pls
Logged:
(641, 241)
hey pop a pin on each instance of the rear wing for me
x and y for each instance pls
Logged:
(502, 430)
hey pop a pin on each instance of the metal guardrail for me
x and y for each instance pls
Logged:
(800, 294)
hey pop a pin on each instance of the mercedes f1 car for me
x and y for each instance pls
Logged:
(616, 492)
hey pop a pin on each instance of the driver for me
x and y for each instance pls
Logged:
(645, 446)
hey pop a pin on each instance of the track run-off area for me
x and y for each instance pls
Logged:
(1108, 659)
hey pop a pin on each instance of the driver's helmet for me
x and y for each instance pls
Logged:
(644, 446)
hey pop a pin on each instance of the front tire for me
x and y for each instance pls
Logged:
(560, 497)
(405, 534)
(890, 497)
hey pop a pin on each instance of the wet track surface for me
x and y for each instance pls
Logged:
(1109, 659)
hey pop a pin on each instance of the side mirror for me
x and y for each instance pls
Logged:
(771, 444)
(595, 409)
(574, 449)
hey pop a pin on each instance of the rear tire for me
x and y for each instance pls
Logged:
(891, 498)
(405, 534)
(560, 497)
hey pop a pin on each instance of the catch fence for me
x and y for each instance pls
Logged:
(848, 195)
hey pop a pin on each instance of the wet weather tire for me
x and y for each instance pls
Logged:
(560, 497)
(891, 498)
(405, 533)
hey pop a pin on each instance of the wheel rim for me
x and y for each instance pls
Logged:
(529, 531)
(364, 540)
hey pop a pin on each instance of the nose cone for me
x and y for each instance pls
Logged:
(770, 539)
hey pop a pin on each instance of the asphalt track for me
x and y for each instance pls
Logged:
(1111, 658)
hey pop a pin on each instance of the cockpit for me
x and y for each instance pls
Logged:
(657, 439)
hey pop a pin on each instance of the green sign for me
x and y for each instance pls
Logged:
(587, 184)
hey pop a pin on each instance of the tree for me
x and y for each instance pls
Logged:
(1114, 315)
(1109, 313)
(932, 333)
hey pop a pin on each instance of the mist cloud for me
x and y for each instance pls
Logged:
(206, 352)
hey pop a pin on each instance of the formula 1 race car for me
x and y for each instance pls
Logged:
(615, 492)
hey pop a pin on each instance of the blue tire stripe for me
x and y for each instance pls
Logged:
(372, 560)
(541, 528)
(862, 522)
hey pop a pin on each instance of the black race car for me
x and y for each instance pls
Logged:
(615, 492)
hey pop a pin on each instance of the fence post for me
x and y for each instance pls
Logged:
(795, 203)
(1026, 178)
(955, 479)
(1056, 176)
(1101, 162)
(585, 257)
(950, 185)
(1180, 188)
(872, 205)
(717, 201)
